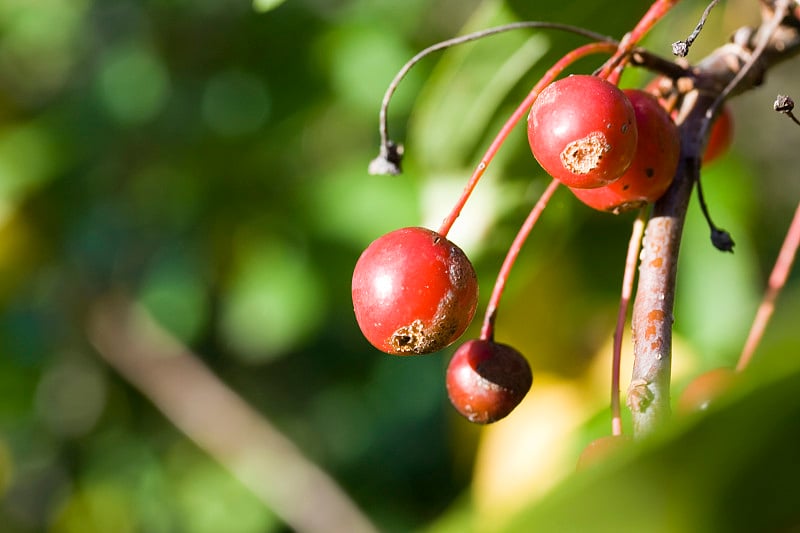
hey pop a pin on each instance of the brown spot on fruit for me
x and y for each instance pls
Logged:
(411, 338)
(584, 155)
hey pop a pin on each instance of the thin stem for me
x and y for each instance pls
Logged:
(766, 34)
(634, 246)
(681, 48)
(656, 12)
(777, 279)
(388, 160)
(516, 116)
(721, 239)
(487, 330)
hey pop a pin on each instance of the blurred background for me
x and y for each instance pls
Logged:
(183, 195)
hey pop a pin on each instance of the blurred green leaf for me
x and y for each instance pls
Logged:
(133, 83)
(274, 303)
(731, 468)
(262, 6)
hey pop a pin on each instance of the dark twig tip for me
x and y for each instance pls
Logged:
(388, 162)
(722, 240)
(680, 48)
(783, 104)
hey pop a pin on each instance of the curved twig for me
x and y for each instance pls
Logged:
(391, 154)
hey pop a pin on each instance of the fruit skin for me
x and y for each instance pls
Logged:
(721, 136)
(414, 292)
(704, 389)
(597, 450)
(653, 167)
(487, 380)
(582, 131)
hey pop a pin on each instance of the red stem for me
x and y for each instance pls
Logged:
(634, 246)
(777, 279)
(487, 330)
(657, 11)
(521, 111)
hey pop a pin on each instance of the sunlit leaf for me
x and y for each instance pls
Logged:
(262, 6)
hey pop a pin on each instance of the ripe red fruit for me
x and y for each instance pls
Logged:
(653, 166)
(487, 380)
(704, 389)
(414, 292)
(599, 449)
(721, 136)
(582, 130)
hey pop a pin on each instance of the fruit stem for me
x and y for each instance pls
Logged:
(519, 112)
(390, 154)
(634, 246)
(720, 238)
(487, 330)
(656, 12)
(777, 279)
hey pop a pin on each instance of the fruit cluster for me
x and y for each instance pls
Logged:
(415, 292)
(616, 150)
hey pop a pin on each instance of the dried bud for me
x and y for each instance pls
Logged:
(783, 104)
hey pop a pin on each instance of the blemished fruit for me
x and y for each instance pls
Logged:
(721, 136)
(704, 389)
(653, 167)
(600, 448)
(582, 131)
(414, 292)
(486, 380)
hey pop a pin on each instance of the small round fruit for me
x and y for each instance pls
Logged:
(582, 131)
(599, 449)
(414, 292)
(704, 389)
(653, 166)
(487, 380)
(721, 136)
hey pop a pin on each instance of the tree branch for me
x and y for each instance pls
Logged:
(220, 422)
(747, 59)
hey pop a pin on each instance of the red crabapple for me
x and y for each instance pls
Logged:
(487, 380)
(721, 136)
(582, 131)
(704, 389)
(599, 449)
(653, 166)
(414, 292)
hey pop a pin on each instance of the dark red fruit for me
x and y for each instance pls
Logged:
(721, 136)
(582, 130)
(487, 380)
(704, 389)
(599, 449)
(653, 166)
(414, 292)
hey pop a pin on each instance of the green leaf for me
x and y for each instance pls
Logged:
(732, 468)
(262, 6)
